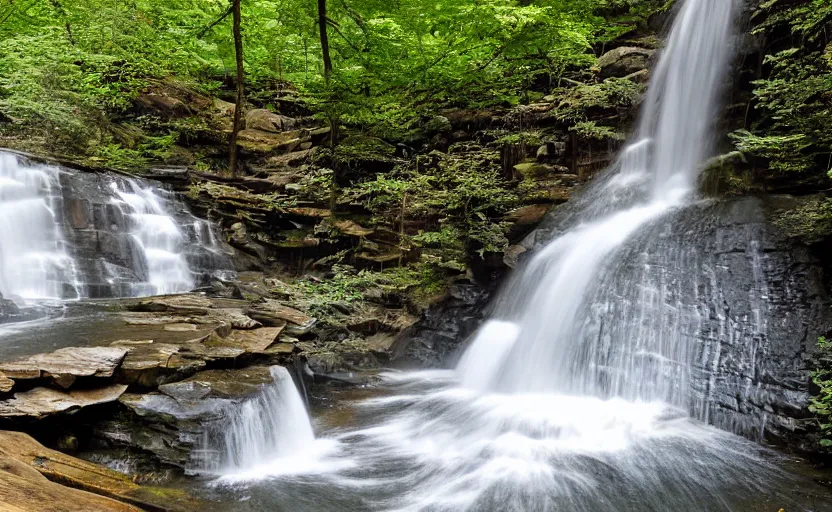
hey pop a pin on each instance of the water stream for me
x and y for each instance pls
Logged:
(583, 392)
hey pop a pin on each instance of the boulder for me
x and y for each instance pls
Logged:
(260, 141)
(262, 119)
(40, 402)
(623, 61)
(65, 365)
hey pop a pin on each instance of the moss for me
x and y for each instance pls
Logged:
(809, 223)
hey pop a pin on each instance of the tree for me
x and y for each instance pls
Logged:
(238, 56)
(323, 21)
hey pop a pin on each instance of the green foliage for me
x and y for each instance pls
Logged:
(793, 102)
(63, 61)
(612, 95)
(821, 403)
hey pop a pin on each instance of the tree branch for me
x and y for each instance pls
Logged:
(216, 22)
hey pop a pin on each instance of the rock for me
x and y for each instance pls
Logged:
(170, 423)
(551, 151)
(293, 159)
(149, 364)
(381, 343)
(438, 124)
(262, 119)
(66, 364)
(528, 215)
(39, 402)
(227, 384)
(351, 228)
(26, 468)
(259, 141)
(532, 170)
(188, 304)
(80, 213)
(624, 61)
(255, 341)
(272, 312)
(6, 384)
(511, 256)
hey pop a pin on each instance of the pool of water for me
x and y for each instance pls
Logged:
(422, 442)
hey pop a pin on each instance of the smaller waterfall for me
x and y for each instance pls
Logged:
(34, 261)
(66, 234)
(269, 434)
(159, 237)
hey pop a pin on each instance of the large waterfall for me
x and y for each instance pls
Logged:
(66, 234)
(583, 391)
(558, 346)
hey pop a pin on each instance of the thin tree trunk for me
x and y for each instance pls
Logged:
(238, 54)
(322, 22)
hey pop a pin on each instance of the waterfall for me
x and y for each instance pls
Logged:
(66, 234)
(160, 239)
(270, 433)
(34, 260)
(556, 299)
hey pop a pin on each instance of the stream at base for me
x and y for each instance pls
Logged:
(422, 442)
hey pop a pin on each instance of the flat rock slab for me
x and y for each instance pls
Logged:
(66, 364)
(26, 468)
(229, 384)
(255, 341)
(272, 312)
(39, 402)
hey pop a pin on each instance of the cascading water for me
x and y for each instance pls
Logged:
(578, 394)
(34, 261)
(270, 434)
(160, 239)
(67, 235)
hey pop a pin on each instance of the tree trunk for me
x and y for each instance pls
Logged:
(238, 54)
(322, 21)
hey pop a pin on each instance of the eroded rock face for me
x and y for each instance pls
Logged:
(749, 301)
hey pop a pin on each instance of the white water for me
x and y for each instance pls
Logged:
(267, 436)
(160, 238)
(549, 411)
(34, 262)
(60, 239)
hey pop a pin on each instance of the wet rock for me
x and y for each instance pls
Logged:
(149, 364)
(40, 402)
(170, 423)
(624, 61)
(65, 365)
(26, 468)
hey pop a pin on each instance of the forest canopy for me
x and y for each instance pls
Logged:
(59, 58)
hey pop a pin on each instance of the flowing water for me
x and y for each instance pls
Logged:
(583, 392)
(67, 235)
